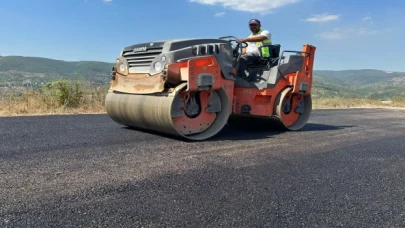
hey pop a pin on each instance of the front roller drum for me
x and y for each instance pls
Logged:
(293, 110)
(194, 116)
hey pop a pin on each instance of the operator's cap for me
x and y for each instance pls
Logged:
(254, 21)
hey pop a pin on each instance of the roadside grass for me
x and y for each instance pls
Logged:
(57, 97)
(77, 97)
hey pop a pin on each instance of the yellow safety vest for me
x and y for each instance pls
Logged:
(265, 50)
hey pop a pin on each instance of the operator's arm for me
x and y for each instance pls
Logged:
(256, 38)
(263, 36)
(253, 39)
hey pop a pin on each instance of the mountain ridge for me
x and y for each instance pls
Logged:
(35, 71)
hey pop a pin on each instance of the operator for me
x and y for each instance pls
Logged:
(256, 39)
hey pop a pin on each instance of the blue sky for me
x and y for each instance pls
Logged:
(348, 34)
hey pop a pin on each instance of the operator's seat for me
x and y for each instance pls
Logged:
(270, 61)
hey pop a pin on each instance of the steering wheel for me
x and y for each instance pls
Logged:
(234, 39)
(231, 39)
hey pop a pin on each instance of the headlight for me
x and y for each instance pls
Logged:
(122, 67)
(157, 66)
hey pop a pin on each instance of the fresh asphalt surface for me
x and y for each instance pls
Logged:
(345, 168)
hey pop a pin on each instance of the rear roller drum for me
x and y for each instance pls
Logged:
(195, 116)
(293, 110)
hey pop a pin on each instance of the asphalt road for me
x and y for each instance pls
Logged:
(345, 168)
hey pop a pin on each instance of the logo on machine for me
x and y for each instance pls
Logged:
(228, 64)
(139, 49)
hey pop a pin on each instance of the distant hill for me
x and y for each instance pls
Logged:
(363, 77)
(33, 71)
(18, 70)
(368, 83)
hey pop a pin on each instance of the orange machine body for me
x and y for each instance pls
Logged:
(262, 102)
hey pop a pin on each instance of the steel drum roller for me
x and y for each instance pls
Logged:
(155, 112)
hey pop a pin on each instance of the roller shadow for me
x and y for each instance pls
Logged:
(245, 128)
(242, 128)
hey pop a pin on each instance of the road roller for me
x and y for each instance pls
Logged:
(191, 87)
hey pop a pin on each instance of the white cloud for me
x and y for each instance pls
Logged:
(365, 31)
(336, 34)
(252, 6)
(323, 17)
(341, 33)
(367, 19)
(107, 1)
(219, 14)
